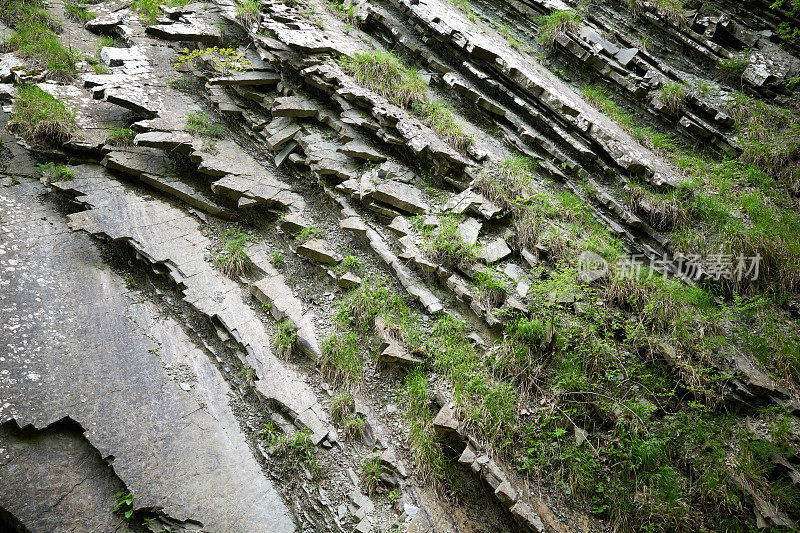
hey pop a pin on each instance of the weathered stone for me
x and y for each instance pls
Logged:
(254, 77)
(359, 150)
(526, 516)
(506, 493)
(195, 31)
(293, 223)
(354, 224)
(402, 196)
(495, 251)
(349, 281)
(294, 106)
(317, 250)
(393, 352)
(445, 421)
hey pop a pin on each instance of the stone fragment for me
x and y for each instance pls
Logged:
(446, 421)
(294, 106)
(354, 224)
(254, 77)
(495, 251)
(402, 196)
(527, 517)
(293, 223)
(470, 229)
(360, 150)
(317, 250)
(349, 281)
(393, 352)
(195, 31)
(506, 493)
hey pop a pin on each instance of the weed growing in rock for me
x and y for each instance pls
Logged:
(151, 9)
(120, 137)
(298, 446)
(673, 95)
(41, 118)
(247, 11)
(445, 245)
(200, 124)
(491, 288)
(353, 427)
(371, 473)
(36, 41)
(345, 14)
(53, 172)
(232, 258)
(732, 68)
(248, 373)
(310, 232)
(222, 61)
(124, 505)
(386, 74)
(440, 116)
(350, 263)
(285, 338)
(342, 361)
(557, 24)
(276, 258)
(77, 11)
(509, 184)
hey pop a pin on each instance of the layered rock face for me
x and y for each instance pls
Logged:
(399, 265)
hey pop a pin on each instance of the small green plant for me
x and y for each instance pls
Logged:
(353, 426)
(350, 263)
(386, 74)
(247, 373)
(372, 471)
(247, 11)
(491, 288)
(40, 118)
(120, 137)
(445, 245)
(557, 24)
(124, 505)
(276, 258)
(298, 446)
(345, 14)
(53, 172)
(342, 361)
(34, 37)
(394, 495)
(221, 61)
(200, 124)
(440, 116)
(285, 338)
(732, 68)
(310, 232)
(77, 12)
(673, 95)
(151, 9)
(232, 258)
(342, 405)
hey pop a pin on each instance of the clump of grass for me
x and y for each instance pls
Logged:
(232, 258)
(373, 298)
(310, 232)
(297, 446)
(425, 444)
(342, 362)
(770, 137)
(673, 95)
(200, 124)
(77, 11)
(221, 61)
(440, 116)
(372, 471)
(53, 172)
(732, 68)
(491, 288)
(445, 246)
(353, 426)
(599, 97)
(342, 406)
(16, 12)
(345, 14)
(120, 137)
(350, 263)
(386, 74)
(663, 212)
(557, 24)
(285, 339)
(247, 11)
(150, 10)
(509, 184)
(37, 42)
(40, 118)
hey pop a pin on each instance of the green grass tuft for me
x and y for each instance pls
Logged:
(40, 118)
(387, 74)
(440, 116)
(557, 24)
(232, 258)
(200, 124)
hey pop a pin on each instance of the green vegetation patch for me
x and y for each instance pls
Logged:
(387, 74)
(34, 37)
(557, 24)
(201, 124)
(440, 116)
(40, 118)
(232, 259)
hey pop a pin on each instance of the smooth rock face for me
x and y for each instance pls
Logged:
(317, 250)
(402, 196)
(89, 360)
